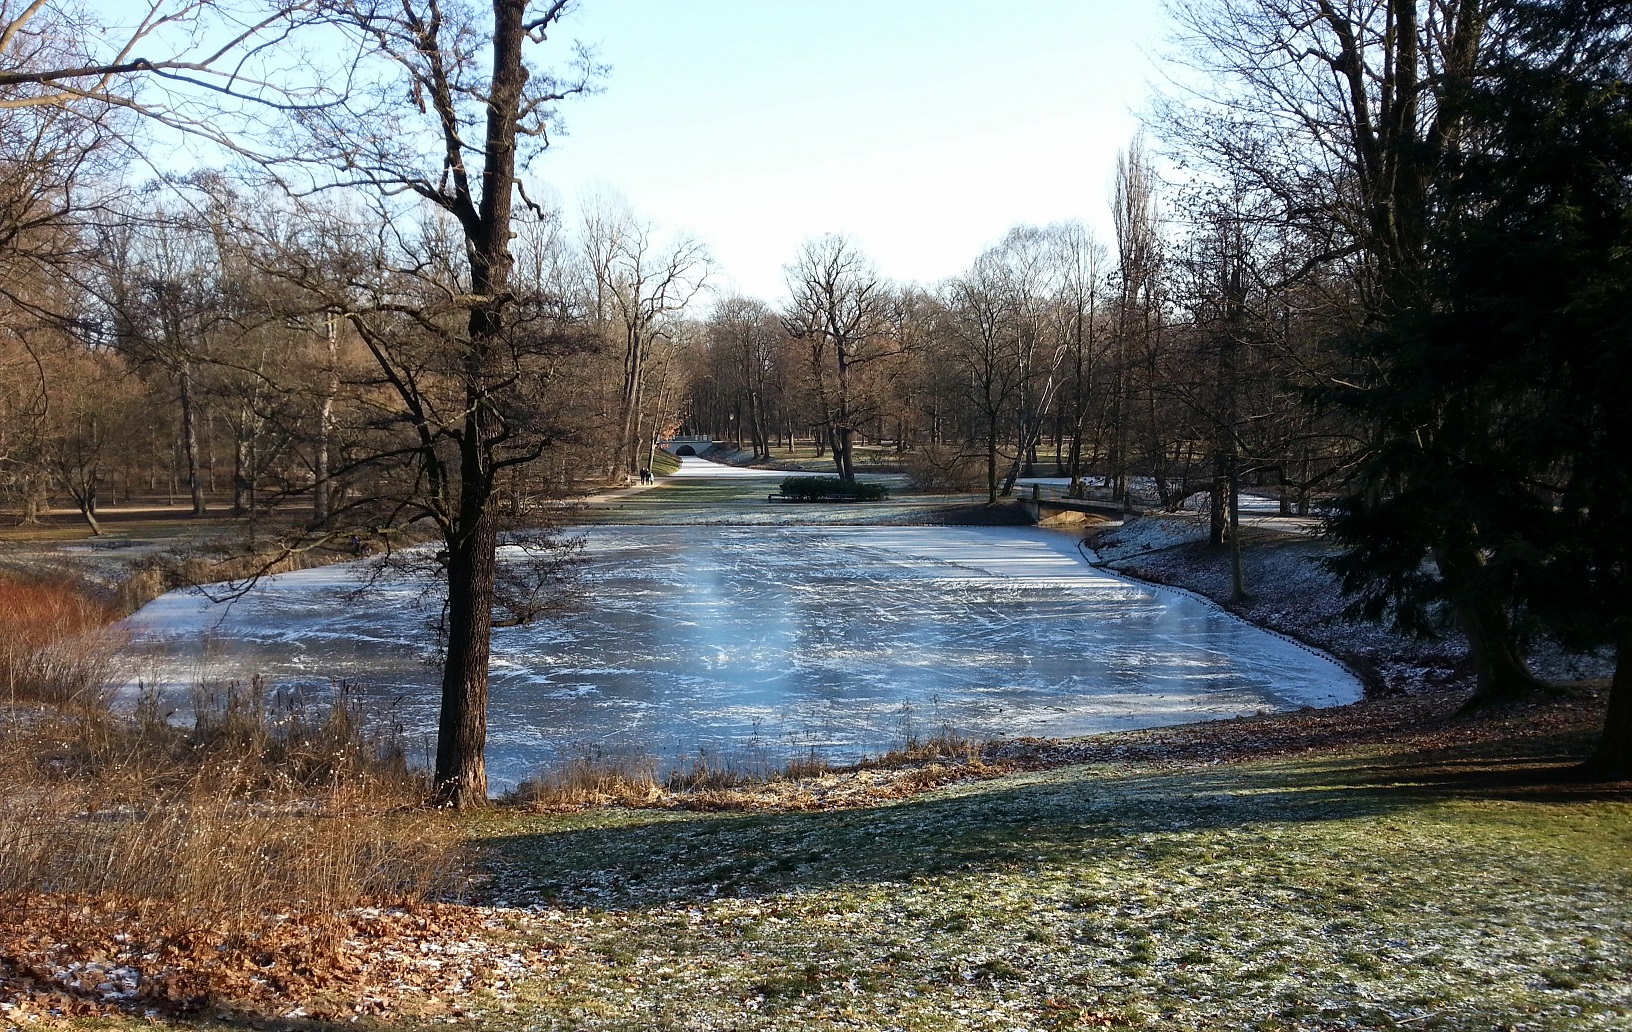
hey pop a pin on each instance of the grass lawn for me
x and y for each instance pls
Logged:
(1441, 875)
(675, 500)
(119, 523)
(1375, 889)
(803, 456)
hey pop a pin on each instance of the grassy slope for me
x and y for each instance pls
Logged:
(1376, 889)
(1379, 887)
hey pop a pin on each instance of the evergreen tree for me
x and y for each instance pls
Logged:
(1500, 401)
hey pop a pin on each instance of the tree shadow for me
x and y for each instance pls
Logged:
(1050, 816)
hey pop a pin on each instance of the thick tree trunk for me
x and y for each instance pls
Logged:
(838, 438)
(461, 742)
(472, 538)
(1612, 757)
(1074, 463)
(844, 434)
(240, 475)
(1499, 668)
(87, 509)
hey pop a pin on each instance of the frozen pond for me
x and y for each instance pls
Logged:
(766, 642)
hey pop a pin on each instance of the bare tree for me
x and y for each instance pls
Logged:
(838, 309)
(1138, 326)
(746, 336)
(979, 332)
(54, 54)
(1343, 112)
(1081, 260)
(1041, 334)
(638, 287)
(460, 359)
(89, 424)
(158, 285)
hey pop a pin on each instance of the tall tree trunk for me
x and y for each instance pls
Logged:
(991, 457)
(240, 472)
(1499, 668)
(1238, 584)
(1217, 501)
(87, 507)
(1612, 757)
(843, 438)
(634, 360)
(189, 437)
(461, 741)
(471, 534)
(756, 427)
(325, 426)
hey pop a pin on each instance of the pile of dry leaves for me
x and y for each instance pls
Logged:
(63, 956)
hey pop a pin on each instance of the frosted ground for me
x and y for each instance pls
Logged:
(758, 643)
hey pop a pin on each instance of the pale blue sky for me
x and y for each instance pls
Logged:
(921, 129)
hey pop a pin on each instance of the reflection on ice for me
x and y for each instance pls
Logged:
(779, 641)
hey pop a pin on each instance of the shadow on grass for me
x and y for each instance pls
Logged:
(662, 857)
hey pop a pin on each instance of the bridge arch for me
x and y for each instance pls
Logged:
(687, 446)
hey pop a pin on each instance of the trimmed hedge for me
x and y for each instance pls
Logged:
(811, 489)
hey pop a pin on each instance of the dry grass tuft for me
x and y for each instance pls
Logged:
(240, 831)
(806, 782)
(217, 822)
(262, 825)
(592, 777)
(945, 745)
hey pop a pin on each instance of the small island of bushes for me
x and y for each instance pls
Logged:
(829, 489)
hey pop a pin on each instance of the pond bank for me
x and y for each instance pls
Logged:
(1290, 593)
(1379, 865)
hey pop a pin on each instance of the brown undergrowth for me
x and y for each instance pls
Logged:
(56, 643)
(807, 782)
(216, 863)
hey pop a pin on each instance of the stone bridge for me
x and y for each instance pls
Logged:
(1050, 505)
(680, 447)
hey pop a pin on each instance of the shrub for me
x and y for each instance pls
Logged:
(252, 810)
(939, 467)
(810, 489)
(56, 645)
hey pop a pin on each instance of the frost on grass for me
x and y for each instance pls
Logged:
(1289, 895)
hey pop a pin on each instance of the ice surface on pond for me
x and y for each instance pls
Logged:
(769, 642)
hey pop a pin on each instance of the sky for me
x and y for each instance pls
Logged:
(921, 129)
